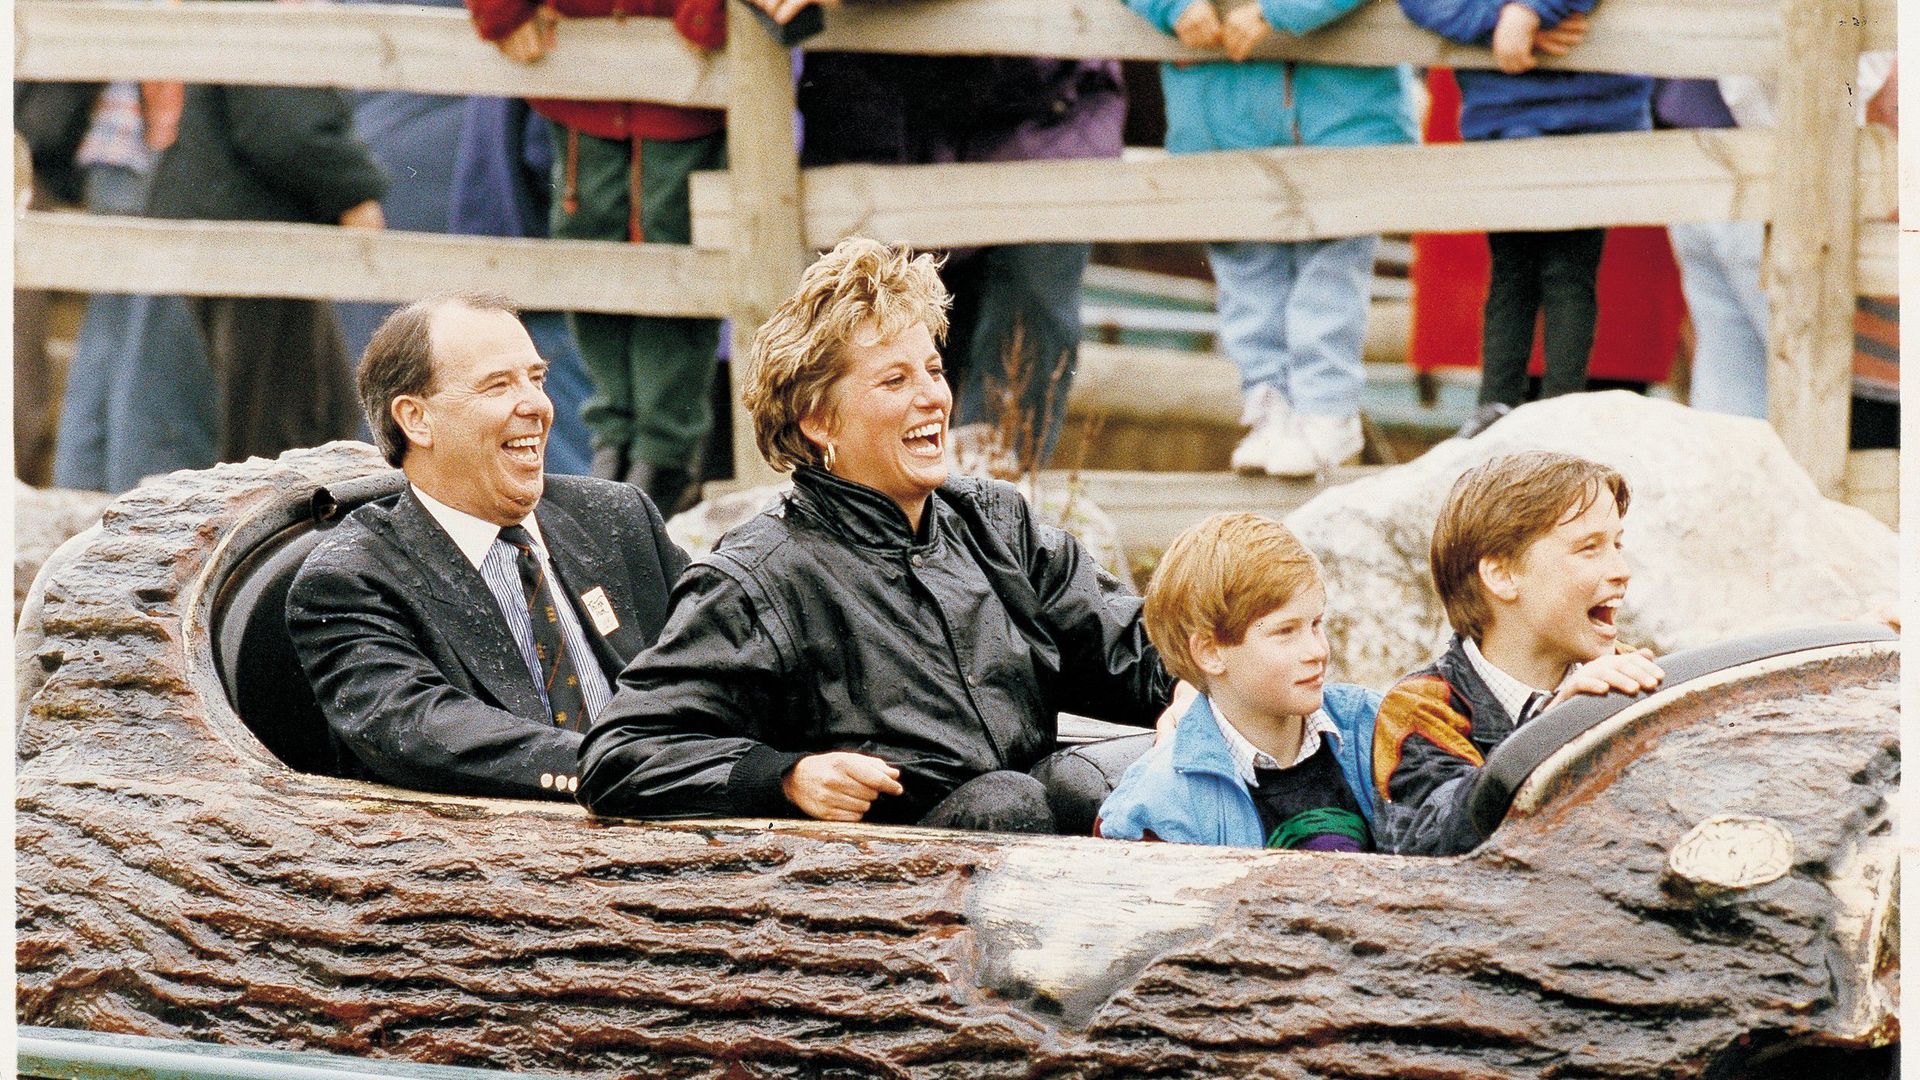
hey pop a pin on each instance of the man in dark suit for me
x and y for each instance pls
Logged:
(462, 635)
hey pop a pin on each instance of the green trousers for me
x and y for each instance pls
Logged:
(652, 376)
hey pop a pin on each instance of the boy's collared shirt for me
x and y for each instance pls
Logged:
(1248, 757)
(1519, 700)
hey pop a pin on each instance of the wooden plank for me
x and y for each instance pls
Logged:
(1811, 258)
(1150, 509)
(1303, 193)
(1873, 483)
(1877, 261)
(1675, 38)
(205, 258)
(765, 263)
(377, 47)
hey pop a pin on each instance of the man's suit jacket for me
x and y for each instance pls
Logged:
(410, 656)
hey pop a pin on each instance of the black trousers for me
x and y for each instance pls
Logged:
(282, 374)
(1532, 271)
(1000, 801)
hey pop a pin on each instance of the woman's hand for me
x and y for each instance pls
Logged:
(1183, 694)
(366, 215)
(839, 786)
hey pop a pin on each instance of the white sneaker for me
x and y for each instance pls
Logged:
(1267, 413)
(1314, 444)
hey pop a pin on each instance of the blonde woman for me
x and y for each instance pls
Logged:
(888, 643)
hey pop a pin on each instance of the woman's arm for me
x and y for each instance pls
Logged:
(683, 734)
(1108, 669)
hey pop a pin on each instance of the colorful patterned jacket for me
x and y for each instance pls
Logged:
(1432, 734)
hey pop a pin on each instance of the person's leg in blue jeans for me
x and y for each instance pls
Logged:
(1720, 275)
(1255, 280)
(1326, 313)
(80, 449)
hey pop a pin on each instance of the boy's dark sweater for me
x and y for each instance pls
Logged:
(1431, 736)
(1309, 806)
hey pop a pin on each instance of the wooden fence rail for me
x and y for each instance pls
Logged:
(1823, 183)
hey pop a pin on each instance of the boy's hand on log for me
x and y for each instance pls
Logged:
(839, 786)
(533, 39)
(1245, 28)
(1513, 38)
(1627, 672)
(1559, 40)
(783, 11)
(1198, 27)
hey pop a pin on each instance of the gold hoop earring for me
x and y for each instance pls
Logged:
(826, 459)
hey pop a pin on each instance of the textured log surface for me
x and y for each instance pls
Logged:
(176, 881)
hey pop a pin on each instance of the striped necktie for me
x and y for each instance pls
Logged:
(565, 703)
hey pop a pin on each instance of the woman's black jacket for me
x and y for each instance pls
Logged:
(825, 623)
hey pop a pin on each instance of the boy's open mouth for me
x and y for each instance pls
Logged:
(1601, 616)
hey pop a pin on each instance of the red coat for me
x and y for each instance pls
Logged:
(701, 22)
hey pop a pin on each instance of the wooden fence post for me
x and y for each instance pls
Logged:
(1811, 269)
(767, 250)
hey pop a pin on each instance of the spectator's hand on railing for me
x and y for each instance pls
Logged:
(839, 786)
(1198, 27)
(533, 39)
(783, 11)
(1513, 38)
(367, 215)
(1244, 29)
(1559, 40)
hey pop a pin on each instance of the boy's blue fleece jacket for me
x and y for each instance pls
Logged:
(1186, 789)
(1259, 104)
(1494, 105)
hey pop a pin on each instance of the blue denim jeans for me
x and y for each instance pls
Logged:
(139, 397)
(1294, 316)
(1720, 276)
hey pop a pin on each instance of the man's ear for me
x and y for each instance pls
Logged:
(1496, 576)
(1206, 653)
(411, 414)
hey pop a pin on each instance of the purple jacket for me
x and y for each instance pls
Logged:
(921, 110)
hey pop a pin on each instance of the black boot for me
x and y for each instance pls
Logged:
(666, 485)
(609, 462)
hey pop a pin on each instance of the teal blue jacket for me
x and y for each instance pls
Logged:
(1258, 104)
(1186, 790)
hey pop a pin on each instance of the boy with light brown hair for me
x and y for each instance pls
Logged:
(1268, 755)
(1527, 559)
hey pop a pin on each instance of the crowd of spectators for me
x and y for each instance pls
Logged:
(163, 382)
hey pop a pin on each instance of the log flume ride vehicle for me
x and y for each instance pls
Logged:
(1701, 882)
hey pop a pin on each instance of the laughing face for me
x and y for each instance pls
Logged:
(1567, 586)
(479, 437)
(886, 419)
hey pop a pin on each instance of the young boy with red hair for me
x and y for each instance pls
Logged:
(1268, 755)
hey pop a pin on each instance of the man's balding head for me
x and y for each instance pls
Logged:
(399, 361)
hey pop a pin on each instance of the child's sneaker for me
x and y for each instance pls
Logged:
(1267, 413)
(1314, 444)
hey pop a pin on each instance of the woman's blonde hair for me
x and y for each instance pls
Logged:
(862, 287)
